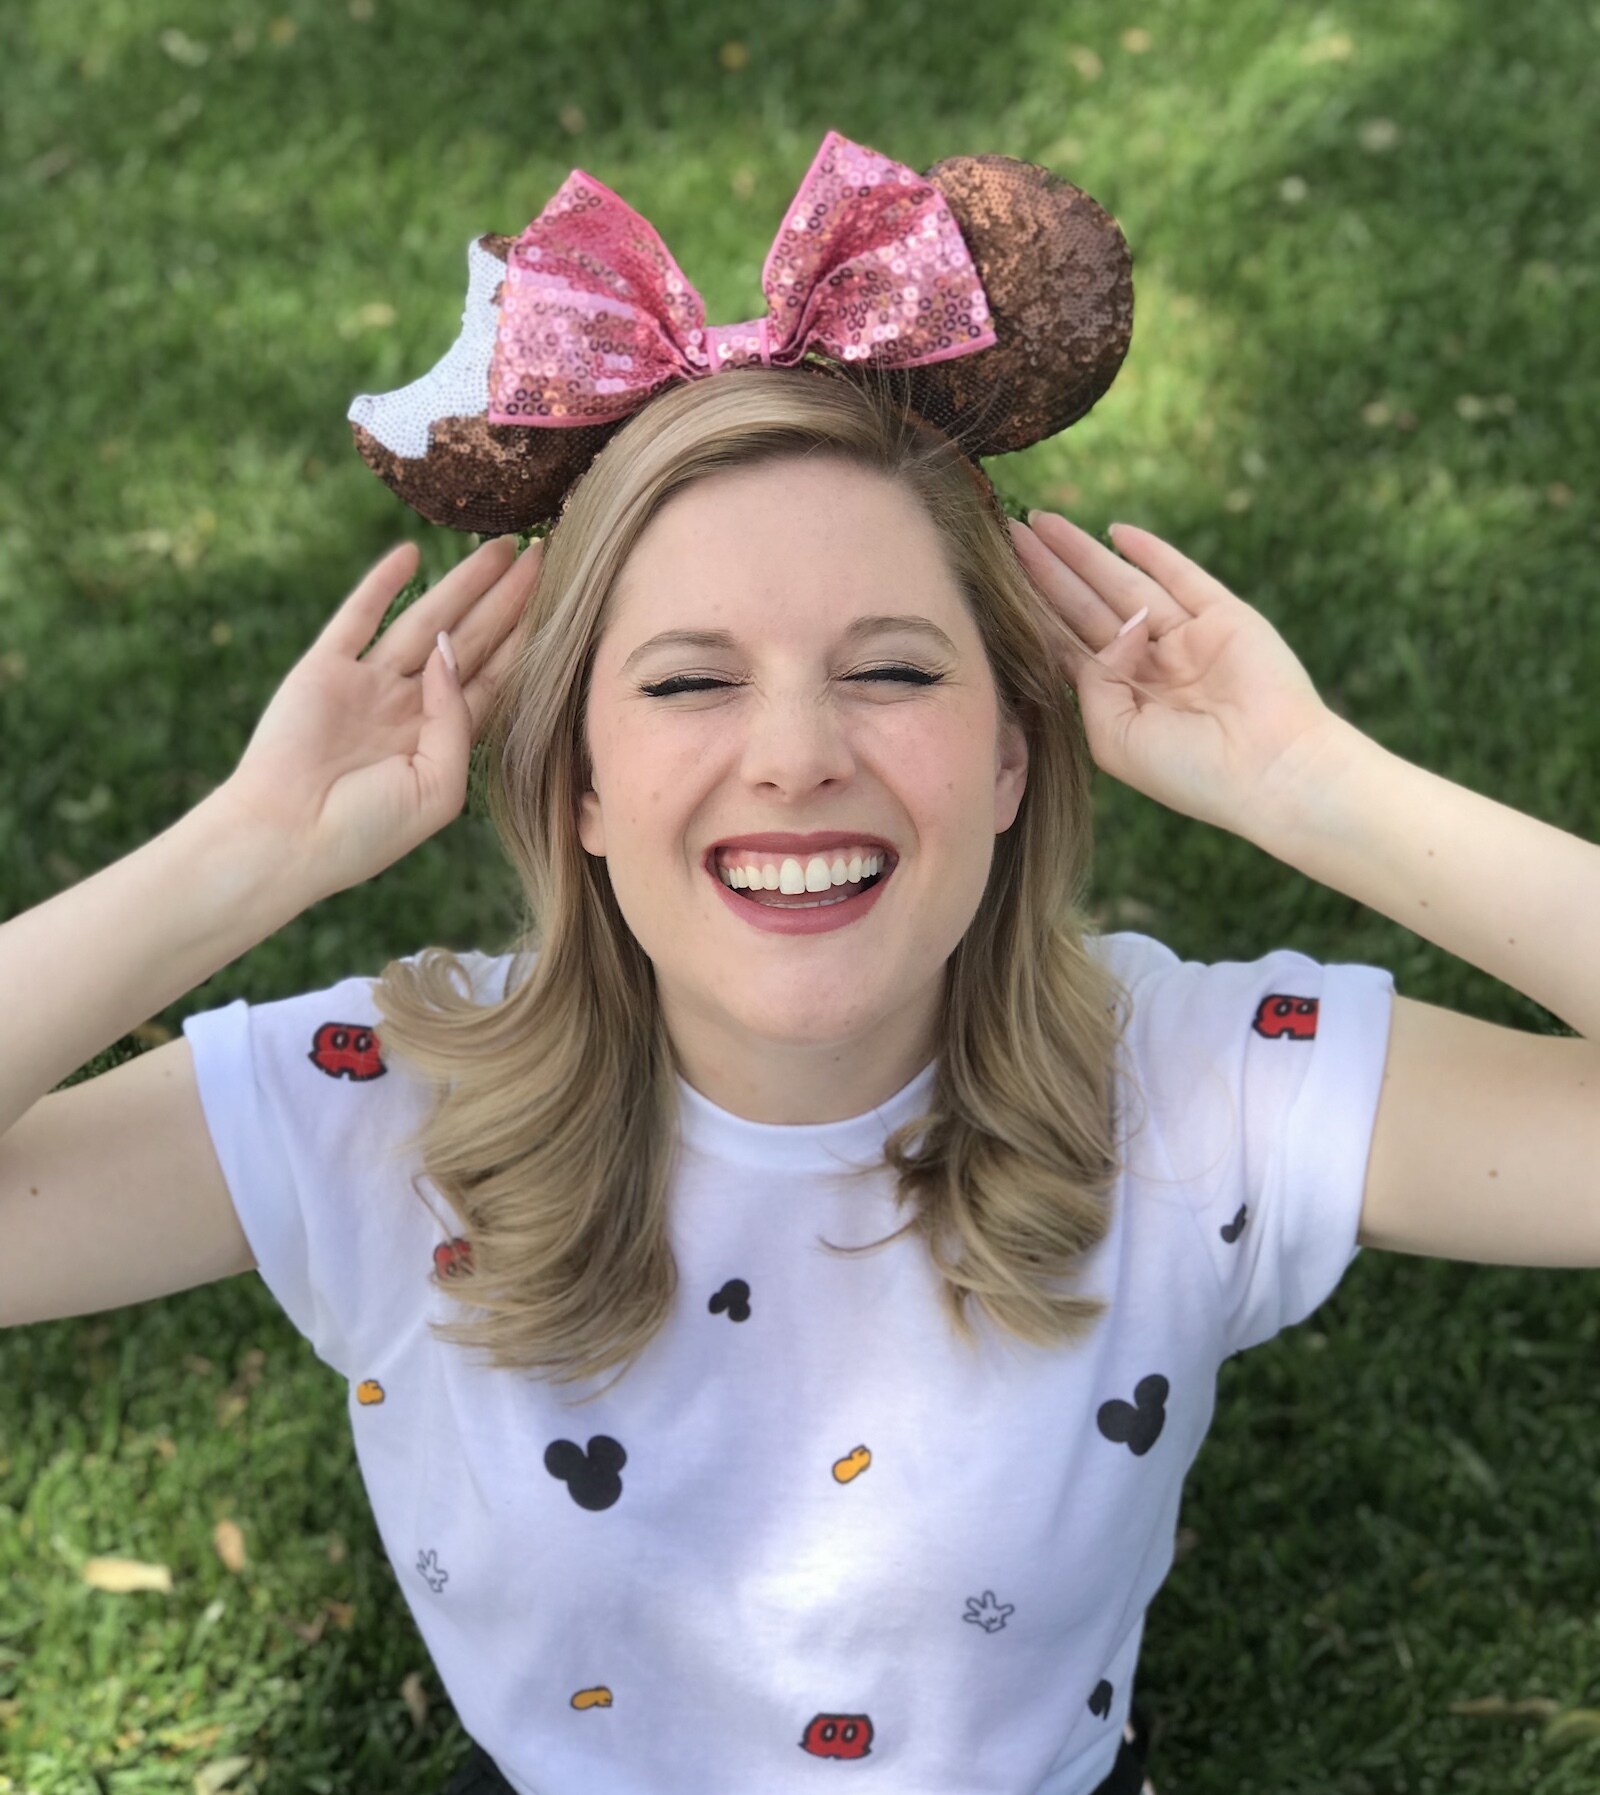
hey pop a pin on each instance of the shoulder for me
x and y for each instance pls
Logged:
(1223, 1051)
(1274, 996)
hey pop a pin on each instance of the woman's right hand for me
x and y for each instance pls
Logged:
(360, 758)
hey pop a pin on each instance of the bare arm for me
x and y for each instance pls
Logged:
(1507, 893)
(1487, 1139)
(111, 1191)
(359, 757)
(84, 968)
(1204, 708)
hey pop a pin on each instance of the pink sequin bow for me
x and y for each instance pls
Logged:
(596, 316)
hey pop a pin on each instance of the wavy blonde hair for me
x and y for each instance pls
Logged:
(552, 1130)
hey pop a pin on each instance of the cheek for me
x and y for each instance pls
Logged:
(936, 747)
(948, 765)
(638, 767)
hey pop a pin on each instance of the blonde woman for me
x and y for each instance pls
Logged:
(781, 1294)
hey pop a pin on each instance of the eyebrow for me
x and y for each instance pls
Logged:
(861, 628)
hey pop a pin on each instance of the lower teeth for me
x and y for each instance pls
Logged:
(819, 904)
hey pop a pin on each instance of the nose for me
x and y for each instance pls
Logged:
(796, 742)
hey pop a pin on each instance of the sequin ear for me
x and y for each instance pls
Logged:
(432, 444)
(1059, 278)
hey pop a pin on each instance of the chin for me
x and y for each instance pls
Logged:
(794, 1014)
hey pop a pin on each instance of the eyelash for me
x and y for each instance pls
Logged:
(683, 682)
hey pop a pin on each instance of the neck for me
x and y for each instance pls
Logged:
(764, 1077)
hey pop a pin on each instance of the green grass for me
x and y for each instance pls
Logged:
(1363, 390)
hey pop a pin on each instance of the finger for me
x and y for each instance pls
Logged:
(495, 623)
(1086, 632)
(352, 626)
(475, 602)
(1069, 599)
(1123, 587)
(483, 687)
(444, 743)
(1187, 580)
(481, 622)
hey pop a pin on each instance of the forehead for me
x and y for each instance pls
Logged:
(804, 542)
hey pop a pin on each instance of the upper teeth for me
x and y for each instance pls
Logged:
(745, 872)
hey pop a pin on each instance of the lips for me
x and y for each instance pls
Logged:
(799, 847)
(812, 918)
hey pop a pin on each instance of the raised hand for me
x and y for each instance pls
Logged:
(1202, 705)
(361, 757)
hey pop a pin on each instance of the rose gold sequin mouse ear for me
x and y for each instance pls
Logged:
(1058, 275)
(1055, 271)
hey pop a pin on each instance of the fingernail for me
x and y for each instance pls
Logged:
(447, 654)
(1137, 618)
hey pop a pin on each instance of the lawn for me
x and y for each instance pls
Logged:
(1363, 390)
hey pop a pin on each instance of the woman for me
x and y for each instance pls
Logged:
(847, 1301)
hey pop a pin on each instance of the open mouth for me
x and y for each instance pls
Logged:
(809, 900)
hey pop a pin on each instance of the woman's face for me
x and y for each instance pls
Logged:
(787, 562)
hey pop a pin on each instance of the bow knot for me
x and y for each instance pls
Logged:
(596, 316)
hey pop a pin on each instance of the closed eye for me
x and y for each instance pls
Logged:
(683, 682)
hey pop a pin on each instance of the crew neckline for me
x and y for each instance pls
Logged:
(797, 1146)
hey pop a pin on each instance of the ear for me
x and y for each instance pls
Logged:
(1011, 775)
(591, 828)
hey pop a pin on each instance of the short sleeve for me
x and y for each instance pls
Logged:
(1258, 1085)
(308, 1122)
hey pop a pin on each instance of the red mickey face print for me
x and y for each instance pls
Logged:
(453, 1257)
(347, 1050)
(838, 1736)
(1291, 1018)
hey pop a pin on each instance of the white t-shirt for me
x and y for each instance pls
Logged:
(810, 1526)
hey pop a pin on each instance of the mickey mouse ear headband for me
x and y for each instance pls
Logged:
(1003, 291)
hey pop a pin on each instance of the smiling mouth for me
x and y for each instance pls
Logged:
(808, 900)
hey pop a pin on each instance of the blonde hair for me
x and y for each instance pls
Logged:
(552, 1131)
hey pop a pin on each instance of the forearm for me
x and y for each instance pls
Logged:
(1512, 896)
(81, 970)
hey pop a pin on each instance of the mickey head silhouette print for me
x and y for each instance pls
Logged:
(1137, 1424)
(734, 1297)
(593, 1478)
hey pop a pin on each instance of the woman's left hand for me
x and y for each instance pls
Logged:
(1223, 720)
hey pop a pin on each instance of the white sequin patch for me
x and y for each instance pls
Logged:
(457, 386)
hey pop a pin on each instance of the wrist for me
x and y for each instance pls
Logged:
(246, 861)
(1315, 788)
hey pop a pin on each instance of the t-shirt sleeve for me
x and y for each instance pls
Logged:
(308, 1122)
(1258, 1090)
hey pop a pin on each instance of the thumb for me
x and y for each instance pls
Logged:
(1106, 684)
(444, 744)
(1115, 662)
(1120, 650)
